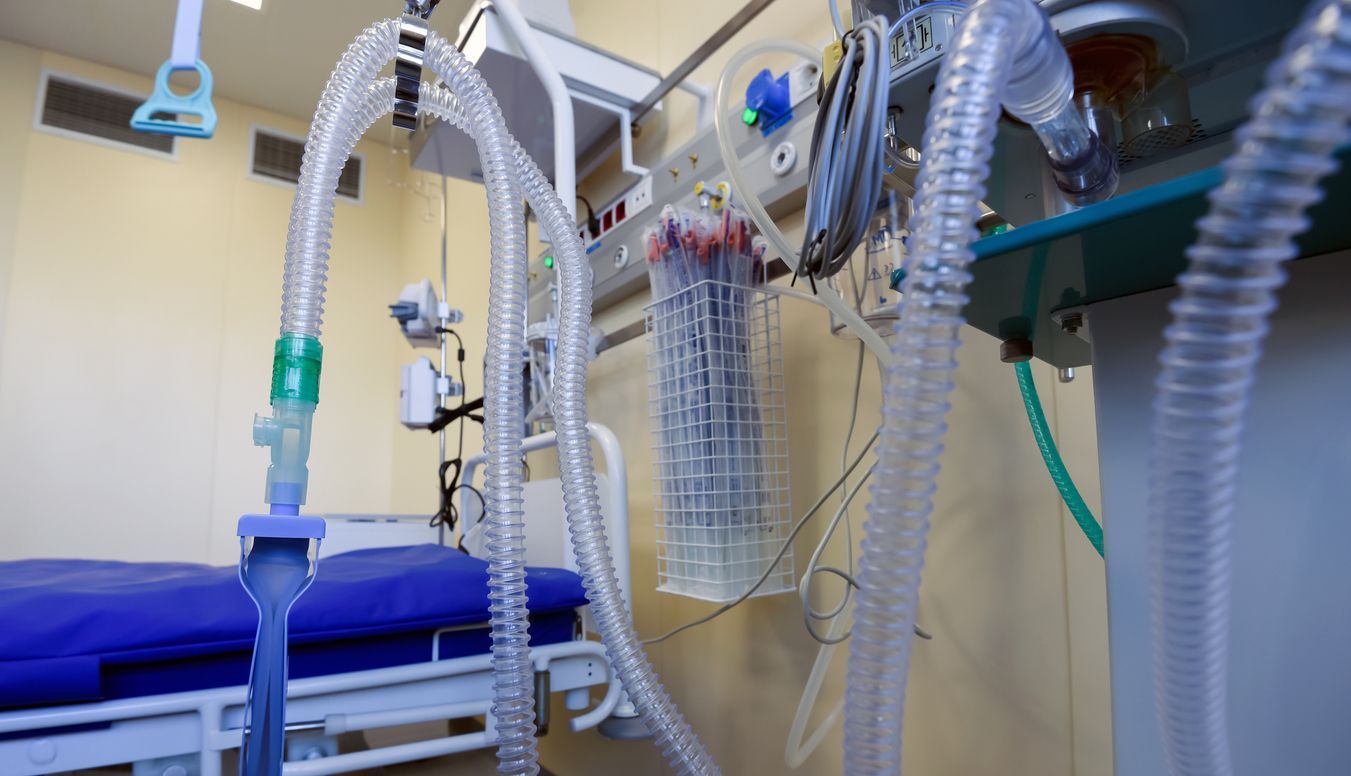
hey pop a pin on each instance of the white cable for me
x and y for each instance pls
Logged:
(813, 565)
(751, 203)
(796, 751)
(835, 17)
(794, 294)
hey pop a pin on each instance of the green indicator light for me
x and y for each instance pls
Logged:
(548, 262)
(749, 116)
(994, 230)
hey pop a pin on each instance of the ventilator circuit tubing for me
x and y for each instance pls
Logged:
(333, 134)
(345, 112)
(581, 503)
(1064, 483)
(1004, 53)
(509, 174)
(1213, 346)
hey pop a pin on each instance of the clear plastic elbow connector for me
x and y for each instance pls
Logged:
(287, 435)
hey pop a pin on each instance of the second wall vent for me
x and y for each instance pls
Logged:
(278, 157)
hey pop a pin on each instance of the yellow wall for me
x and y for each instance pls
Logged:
(136, 341)
(1014, 682)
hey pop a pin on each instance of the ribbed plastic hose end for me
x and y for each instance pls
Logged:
(972, 85)
(1214, 344)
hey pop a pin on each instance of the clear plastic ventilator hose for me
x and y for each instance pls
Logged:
(673, 734)
(1005, 55)
(352, 101)
(1213, 346)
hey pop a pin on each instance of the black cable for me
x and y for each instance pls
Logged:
(448, 514)
(464, 391)
(592, 223)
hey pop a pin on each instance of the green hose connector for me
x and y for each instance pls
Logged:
(897, 278)
(296, 361)
(1059, 474)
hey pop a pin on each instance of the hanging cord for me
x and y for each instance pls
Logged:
(797, 528)
(448, 514)
(592, 223)
(811, 616)
(1054, 464)
(773, 564)
(847, 153)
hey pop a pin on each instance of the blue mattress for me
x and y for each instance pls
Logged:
(85, 630)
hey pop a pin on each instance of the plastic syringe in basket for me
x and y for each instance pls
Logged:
(702, 267)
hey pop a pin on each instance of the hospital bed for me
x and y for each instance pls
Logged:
(105, 663)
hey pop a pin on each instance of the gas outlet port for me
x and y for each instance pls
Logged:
(782, 160)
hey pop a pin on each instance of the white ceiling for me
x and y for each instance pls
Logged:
(277, 58)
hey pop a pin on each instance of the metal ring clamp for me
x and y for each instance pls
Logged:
(408, 68)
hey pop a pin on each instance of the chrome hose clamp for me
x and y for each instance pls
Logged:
(408, 65)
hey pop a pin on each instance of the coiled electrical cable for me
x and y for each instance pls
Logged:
(847, 152)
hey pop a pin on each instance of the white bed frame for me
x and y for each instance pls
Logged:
(184, 734)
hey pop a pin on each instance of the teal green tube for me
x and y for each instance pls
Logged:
(1059, 474)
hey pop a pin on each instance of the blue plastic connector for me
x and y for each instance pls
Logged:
(280, 526)
(163, 100)
(771, 100)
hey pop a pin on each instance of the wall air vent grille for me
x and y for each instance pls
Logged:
(79, 108)
(278, 157)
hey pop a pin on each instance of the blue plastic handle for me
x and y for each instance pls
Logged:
(162, 100)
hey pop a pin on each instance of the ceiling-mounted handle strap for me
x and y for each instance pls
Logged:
(187, 35)
(408, 69)
(166, 113)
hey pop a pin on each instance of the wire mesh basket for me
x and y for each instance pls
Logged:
(720, 435)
